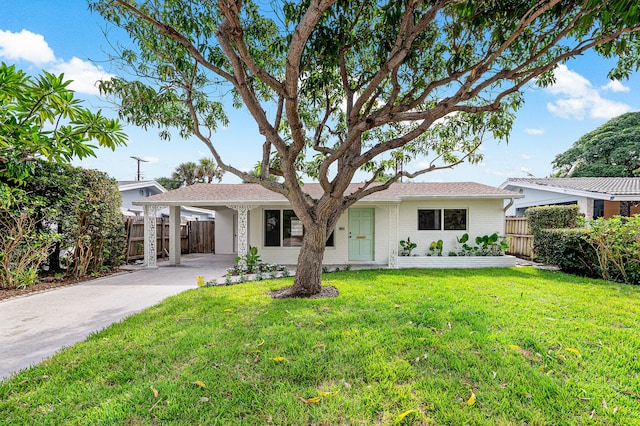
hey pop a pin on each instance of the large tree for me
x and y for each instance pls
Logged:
(341, 87)
(612, 150)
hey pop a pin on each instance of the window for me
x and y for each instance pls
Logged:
(455, 219)
(437, 219)
(283, 229)
(292, 230)
(428, 220)
(272, 228)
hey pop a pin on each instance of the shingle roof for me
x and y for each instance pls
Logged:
(614, 186)
(221, 194)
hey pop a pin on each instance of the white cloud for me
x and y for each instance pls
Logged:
(25, 46)
(532, 131)
(85, 75)
(616, 86)
(579, 99)
(526, 157)
(151, 159)
(30, 47)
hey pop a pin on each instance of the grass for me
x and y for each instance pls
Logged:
(397, 347)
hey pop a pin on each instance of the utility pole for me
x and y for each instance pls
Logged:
(139, 160)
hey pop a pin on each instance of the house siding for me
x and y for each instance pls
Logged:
(338, 254)
(484, 217)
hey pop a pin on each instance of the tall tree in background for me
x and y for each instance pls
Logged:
(186, 173)
(190, 173)
(207, 170)
(339, 87)
(612, 150)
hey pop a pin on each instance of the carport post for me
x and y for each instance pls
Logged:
(243, 227)
(174, 235)
(150, 237)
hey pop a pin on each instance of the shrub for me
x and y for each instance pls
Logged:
(616, 244)
(549, 217)
(24, 245)
(567, 249)
(87, 216)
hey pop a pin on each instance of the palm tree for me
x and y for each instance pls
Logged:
(186, 173)
(208, 169)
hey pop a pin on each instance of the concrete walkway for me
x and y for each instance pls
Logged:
(35, 326)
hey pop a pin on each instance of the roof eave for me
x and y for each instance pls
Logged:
(565, 190)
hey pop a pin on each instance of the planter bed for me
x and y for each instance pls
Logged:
(455, 262)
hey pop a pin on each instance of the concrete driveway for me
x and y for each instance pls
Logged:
(36, 326)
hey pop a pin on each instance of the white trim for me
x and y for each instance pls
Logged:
(568, 191)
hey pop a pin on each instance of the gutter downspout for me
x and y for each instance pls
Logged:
(508, 205)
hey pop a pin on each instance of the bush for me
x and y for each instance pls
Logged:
(544, 218)
(616, 244)
(552, 217)
(88, 217)
(24, 245)
(568, 250)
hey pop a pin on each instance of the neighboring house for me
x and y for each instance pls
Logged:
(596, 196)
(137, 189)
(369, 232)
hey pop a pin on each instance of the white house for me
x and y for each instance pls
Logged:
(137, 189)
(596, 197)
(369, 232)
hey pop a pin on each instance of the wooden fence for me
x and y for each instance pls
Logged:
(518, 235)
(195, 237)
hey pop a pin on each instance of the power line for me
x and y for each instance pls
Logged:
(139, 160)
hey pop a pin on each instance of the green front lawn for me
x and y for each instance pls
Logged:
(494, 346)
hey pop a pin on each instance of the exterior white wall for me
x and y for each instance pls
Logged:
(336, 255)
(536, 197)
(224, 231)
(484, 217)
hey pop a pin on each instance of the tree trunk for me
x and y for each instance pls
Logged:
(308, 280)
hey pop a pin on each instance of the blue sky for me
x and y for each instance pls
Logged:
(65, 37)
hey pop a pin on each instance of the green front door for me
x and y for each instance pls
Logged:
(361, 227)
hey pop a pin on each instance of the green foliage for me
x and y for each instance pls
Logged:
(536, 347)
(407, 247)
(39, 118)
(189, 173)
(616, 243)
(81, 208)
(552, 217)
(24, 242)
(543, 218)
(610, 150)
(250, 260)
(168, 183)
(341, 88)
(567, 249)
(486, 245)
(392, 77)
(435, 248)
(606, 248)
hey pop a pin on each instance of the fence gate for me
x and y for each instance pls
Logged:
(202, 236)
(519, 237)
(195, 237)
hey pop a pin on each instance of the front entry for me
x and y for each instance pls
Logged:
(361, 234)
